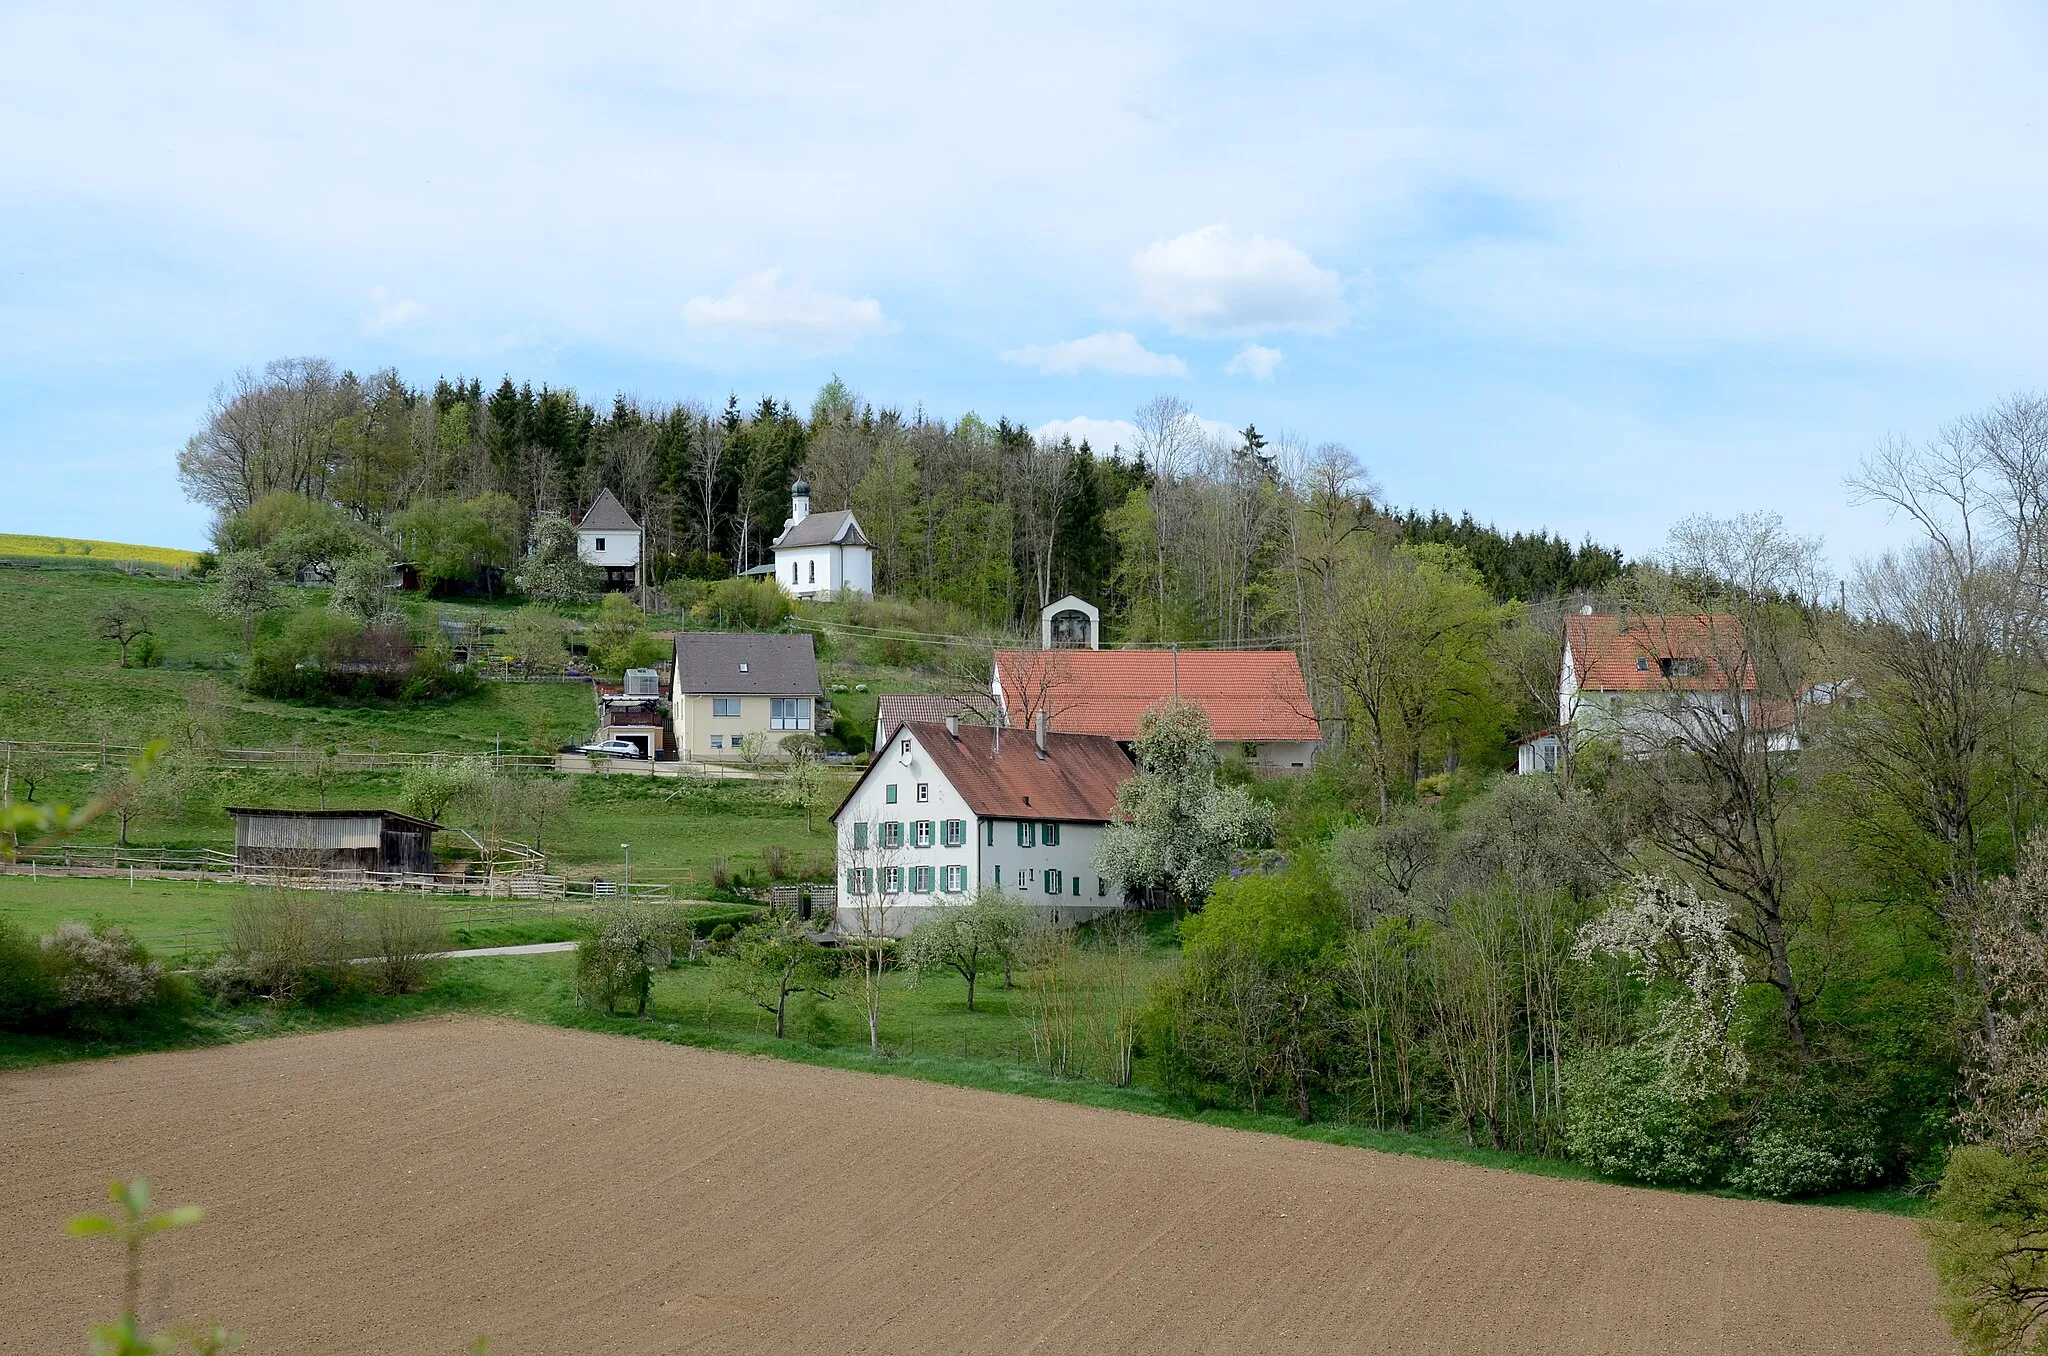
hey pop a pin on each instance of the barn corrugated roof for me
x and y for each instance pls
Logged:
(1613, 655)
(607, 514)
(1074, 783)
(836, 528)
(1255, 695)
(411, 821)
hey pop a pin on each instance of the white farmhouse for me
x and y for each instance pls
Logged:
(821, 555)
(608, 538)
(946, 809)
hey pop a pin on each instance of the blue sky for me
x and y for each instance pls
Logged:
(1589, 269)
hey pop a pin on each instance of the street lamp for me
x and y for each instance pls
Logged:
(628, 849)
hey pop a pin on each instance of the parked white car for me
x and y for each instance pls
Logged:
(616, 748)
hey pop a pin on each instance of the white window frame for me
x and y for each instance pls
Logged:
(953, 879)
(892, 833)
(922, 833)
(1054, 884)
(921, 880)
(924, 792)
(725, 708)
(892, 880)
(799, 709)
(955, 833)
(718, 741)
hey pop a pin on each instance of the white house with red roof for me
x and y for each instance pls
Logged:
(946, 809)
(1257, 700)
(1646, 679)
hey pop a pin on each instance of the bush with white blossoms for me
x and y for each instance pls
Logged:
(102, 969)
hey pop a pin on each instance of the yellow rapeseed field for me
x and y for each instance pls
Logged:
(26, 544)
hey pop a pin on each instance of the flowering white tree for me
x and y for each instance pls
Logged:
(1666, 931)
(1175, 827)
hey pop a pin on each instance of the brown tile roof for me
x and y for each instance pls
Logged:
(607, 514)
(1608, 657)
(1074, 783)
(894, 708)
(1247, 694)
(836, 528)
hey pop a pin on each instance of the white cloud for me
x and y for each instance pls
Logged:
(1216, 282)
(762, 306)
(389, 312)
(1255, 361)
(1120, 354)
(1103, 435)
(1100, 434)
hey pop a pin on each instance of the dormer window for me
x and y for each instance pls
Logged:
(1679, 668)
(599, 545)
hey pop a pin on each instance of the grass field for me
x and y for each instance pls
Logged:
(184, 919)
(58, 682)
(77, 548)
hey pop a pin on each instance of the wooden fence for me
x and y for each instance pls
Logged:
(341, 760)
(365, 760)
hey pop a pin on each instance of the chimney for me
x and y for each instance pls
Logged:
(1041, 732)
(799, 502)
(953, 726)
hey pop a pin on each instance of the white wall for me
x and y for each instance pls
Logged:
(1023, 870)
(821, 571)
(621, 549)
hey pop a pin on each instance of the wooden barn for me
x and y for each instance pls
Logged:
(334, 840)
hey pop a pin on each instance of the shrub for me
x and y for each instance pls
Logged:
(400, 938)
(285, 946)
(756, 603)
(28, 991)
(325, 656)
(1625, 1117)
(618, 961)
(102, 968)
(146, 653)
(775, 861)
(1804, 1144)
(105, 979)
(721, 873)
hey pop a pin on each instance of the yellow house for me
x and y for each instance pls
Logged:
(729, 685)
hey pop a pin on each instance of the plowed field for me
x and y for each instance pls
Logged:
(404, 1189)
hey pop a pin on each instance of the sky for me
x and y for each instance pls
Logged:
(1588, 268)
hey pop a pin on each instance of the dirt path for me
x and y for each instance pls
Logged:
(403, 1189)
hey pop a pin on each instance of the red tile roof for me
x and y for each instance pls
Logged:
(1075, 782)
(1247, 694)
(1608, 657)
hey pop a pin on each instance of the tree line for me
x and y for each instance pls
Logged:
(1184, 535)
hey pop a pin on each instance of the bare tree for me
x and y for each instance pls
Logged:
(123, 621)
(1045, 475)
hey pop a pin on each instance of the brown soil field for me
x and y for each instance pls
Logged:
(404, 1189)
